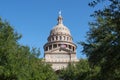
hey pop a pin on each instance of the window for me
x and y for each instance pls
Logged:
(54, 45)
(59, 45)
(60, 37)
(50, 47)
(69, 47)
(56, 38)
(46, 49)
(73, 48)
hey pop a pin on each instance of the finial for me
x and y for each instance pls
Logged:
(60, 13)
(60, 18)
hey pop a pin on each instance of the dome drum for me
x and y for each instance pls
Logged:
(59, 38)
(65, 45)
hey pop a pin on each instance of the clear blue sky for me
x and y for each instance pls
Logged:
(35, 18)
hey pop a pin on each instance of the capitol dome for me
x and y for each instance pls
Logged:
(60, 28)
(60, 50)
(60, 32)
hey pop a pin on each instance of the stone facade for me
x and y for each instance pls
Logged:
(60, 49)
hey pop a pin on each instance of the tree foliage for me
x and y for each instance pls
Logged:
(80, 71)
(68, 73)
(103, 40)
(19, 62)
(85, 72)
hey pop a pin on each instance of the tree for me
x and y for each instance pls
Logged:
(80, 71)
(7, 49)
(68, 73)
(19, 62)
(85, 72)
(103, 40)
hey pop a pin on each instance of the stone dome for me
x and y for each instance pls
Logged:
(60, 50)
(60, 29)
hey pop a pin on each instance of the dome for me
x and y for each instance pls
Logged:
(60, 28)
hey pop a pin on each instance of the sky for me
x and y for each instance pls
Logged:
(35, 18)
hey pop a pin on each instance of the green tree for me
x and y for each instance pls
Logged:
(7, 49)
(68, 73)
(80, 71)
(19, 62)
(103, 40)
(85, 72)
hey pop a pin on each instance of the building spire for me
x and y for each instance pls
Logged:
(60, 13)
(60, 19)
